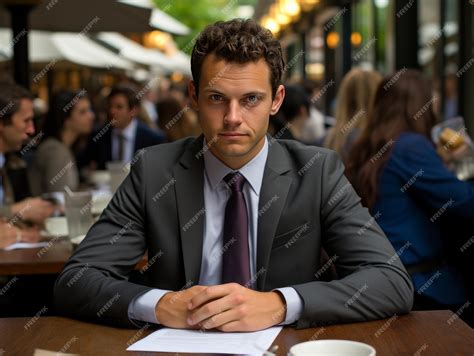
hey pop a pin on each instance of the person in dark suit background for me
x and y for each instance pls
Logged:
(16, 126)
(124, 134)
(290, 121)
(234, 221)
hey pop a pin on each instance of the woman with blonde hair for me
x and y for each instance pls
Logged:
(354, 100)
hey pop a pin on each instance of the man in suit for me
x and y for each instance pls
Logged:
(16, 126)
(234, 221)
(124, 134)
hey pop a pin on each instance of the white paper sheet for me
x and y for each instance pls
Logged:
(197, 341)
(23, 245)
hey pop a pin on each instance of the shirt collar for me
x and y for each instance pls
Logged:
(252, 171)
(129, 131)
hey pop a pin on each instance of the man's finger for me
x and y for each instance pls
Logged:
(232, 326)
(213, 308)
(220, 319)
(211, 293)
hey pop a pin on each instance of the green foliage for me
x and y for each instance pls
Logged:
(197, 14)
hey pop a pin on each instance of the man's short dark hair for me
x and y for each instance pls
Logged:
(10, 96)
(130, 93)
(239, 41)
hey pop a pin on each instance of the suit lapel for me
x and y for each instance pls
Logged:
(189, 175)
(275, 187)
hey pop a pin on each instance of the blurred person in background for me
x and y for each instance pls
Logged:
(123, 134)
(314, 128)
(290, 121)
(176, 120)
(354, 100)
(396, 170)
(16, 125)
(451, 96)
(54, 165)
(148, 113)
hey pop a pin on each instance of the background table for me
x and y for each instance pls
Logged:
(427, 332)
(43, 260)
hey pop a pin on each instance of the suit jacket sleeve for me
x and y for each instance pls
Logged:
(373, 283)
(94, 283)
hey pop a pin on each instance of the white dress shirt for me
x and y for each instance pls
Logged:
(216, 194)
(129, 133)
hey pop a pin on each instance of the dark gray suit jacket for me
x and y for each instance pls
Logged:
(305, 203)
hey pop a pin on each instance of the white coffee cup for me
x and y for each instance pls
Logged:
(332, 348)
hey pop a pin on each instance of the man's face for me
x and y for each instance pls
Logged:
(13, 135)
(234, 106)
(120, 112)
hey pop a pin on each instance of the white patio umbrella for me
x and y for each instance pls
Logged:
(160, 19)
(47, 47)
(135, 52)
(83, 16)
(152, 58)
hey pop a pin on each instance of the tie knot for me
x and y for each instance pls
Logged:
(235, 181)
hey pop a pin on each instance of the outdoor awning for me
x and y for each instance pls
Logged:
(150, 57)
(160, 19)
(135, 52)
(47, 47)
(82, 50)
(86, 16)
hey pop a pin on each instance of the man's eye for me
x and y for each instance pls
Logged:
(252, 99)
(216, 98)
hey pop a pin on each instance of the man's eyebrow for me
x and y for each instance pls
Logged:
(253, 92)
(213, 90)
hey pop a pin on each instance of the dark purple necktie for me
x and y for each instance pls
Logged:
(235, 258)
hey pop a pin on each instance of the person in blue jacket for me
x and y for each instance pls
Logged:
(402, 179)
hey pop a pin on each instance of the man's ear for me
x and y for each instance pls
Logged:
(278, 99)
(192, 90)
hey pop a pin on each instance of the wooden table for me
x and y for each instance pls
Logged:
(429, 333)
(43, 260)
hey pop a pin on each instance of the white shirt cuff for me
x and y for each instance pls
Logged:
(294, 304)
(142, 307)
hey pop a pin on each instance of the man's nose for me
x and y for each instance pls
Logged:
(30, 128)
(233, 115)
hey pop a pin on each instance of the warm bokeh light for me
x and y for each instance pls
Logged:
(176, 77)
(157, 39)
(271, 24)
(315, 69)
(282, 19)
(332, 39)
(356, 39)
(290, 7)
